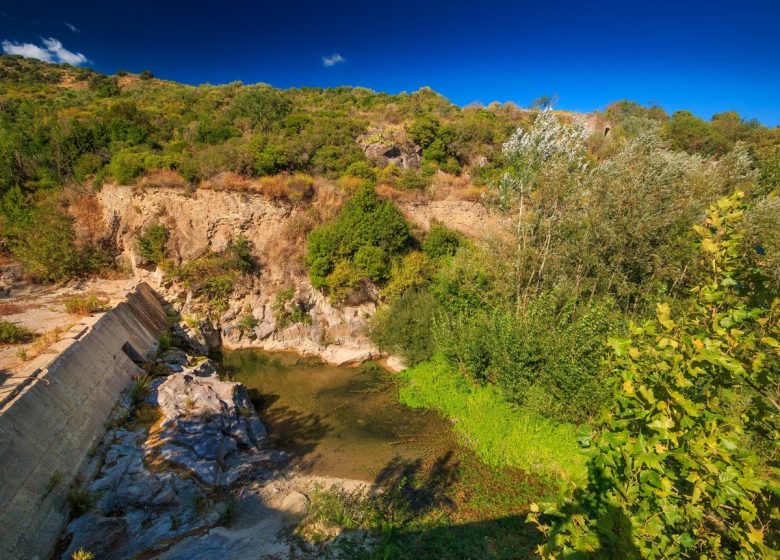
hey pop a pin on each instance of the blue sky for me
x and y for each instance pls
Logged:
(707, 57)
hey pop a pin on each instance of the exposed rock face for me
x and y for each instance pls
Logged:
(207, 220)
(403, 156)
(209, 427)
(389, 146)
(148, 498)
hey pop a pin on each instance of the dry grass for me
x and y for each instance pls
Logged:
(451, 187)
(398, 195)
(290, 247)
(163, 178)
(85, 304)
(291, 188)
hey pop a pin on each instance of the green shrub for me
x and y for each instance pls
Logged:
(413, 271)
(86, 304)
(42, 239)
(441, 241)
(343, 280)
(151, 244)
(247, 324)
(672, 474)
(367, 228)
(79, 499)
(288, 310)
(412, 181)
(213, 275)
(11, 333)
(547, 358)
(404, 326)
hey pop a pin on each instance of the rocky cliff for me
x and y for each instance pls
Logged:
(206, 220)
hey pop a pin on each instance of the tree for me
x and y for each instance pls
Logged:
(367, 232)
(550, 149)
(672, 474)
(689, 133)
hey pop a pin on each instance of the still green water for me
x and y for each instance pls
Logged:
(335, 421)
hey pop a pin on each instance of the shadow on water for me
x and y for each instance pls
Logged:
(334, 421)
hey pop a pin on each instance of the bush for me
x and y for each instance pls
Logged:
(441, 241)
(151, 244)
(213, 275)
(404, 327)
(11, 333)
(413, 271)
(672, 474)
(547, 358)
(288, 310)
(85, 305)
(79, 499)
(368, 231)
(43, 241)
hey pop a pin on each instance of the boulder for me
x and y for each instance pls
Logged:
(205, 421)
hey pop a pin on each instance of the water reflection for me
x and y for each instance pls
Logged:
(335, 421)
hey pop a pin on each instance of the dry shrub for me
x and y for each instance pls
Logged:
(451, 187)
(226, 181)
(163, 178)
(88, 222)
(7, 309)
(389, 191)
(292, 188)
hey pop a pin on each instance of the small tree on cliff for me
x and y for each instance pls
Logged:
(672, 473)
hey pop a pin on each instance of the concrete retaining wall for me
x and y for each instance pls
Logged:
(49, 425)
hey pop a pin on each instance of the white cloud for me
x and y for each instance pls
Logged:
(27, 50)
(332, 60)
(72, 27)
(51, 51)
(63, 54)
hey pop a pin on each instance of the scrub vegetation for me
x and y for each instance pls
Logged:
(614, 346)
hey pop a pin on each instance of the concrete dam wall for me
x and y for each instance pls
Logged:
(51, 422)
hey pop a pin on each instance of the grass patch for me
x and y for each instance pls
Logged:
(11, 333)
(500, 433)
(452, 507)
(85, 305)
(79, 499)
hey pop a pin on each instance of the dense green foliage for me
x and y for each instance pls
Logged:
(500, 433)
(151, 244)
(548, 358)
(11, 333)
(673, 472)
(358, 244)
(404, 327)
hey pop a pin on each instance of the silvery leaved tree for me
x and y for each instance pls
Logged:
(550, 157)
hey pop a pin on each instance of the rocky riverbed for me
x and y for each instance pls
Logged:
(189, 475)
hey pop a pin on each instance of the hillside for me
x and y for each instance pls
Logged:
(547, 281)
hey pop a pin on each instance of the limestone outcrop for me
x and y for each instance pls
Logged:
(159, 485)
